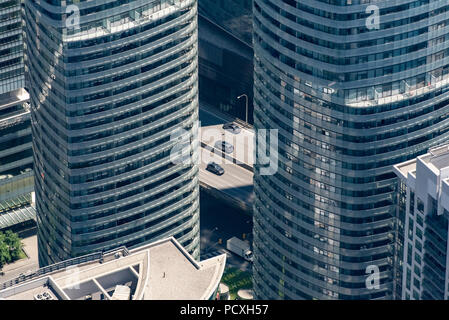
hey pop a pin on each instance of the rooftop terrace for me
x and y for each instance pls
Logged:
(162, 270)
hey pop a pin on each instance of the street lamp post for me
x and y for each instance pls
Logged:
(246, 99)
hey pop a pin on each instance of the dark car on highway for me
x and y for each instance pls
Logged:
(232, 127)
(224, 146)
(215, 168)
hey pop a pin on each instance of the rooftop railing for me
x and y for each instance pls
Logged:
(97, 256)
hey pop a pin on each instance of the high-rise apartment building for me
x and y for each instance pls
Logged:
(424, 205)
(16, 159)
(353, 88)
(11, 47)
(233, 15)
(110, 82)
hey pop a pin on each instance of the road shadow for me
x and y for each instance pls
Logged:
(220, 221)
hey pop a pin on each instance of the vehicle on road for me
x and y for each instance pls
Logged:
(215, 168)
(232, 127)
(240, 248)
(224, 146)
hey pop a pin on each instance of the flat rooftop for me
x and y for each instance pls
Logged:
(437, 159)
(406, 167)
(163, 270)
(38, 290)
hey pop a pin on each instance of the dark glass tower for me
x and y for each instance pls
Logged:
(16, 154)
(353, 87)
(11, 48)
(16, 159)
(110, 82)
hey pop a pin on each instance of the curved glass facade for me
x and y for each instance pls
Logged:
(351, 95)
(107, 92)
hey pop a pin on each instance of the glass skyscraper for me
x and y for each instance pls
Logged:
(11, 47)
(110, 82)
(16, 158)
(353, 87)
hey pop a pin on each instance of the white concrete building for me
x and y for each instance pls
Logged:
(424, 208)
(162, 270)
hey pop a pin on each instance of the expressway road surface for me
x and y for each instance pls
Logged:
(242, 142)
(219, 219)
(236, 182)
(212, 131)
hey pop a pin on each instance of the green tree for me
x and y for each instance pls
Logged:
(5, 255)
(15, 245)
(10, 247)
